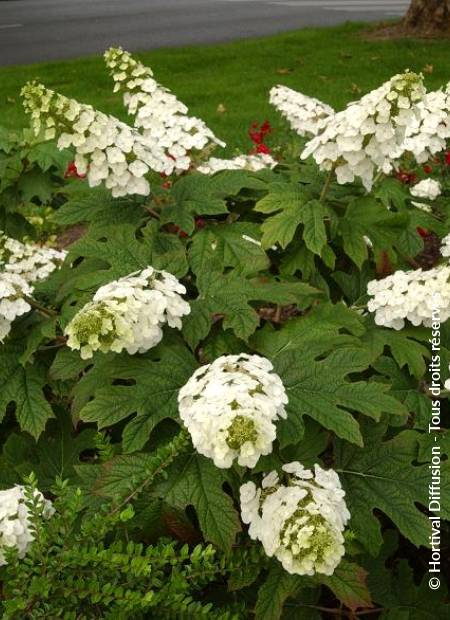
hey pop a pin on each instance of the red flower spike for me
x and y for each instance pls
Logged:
(447, 158)
(427, 169)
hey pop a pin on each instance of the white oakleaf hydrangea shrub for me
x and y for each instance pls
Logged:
(253, 163)
(301, 521)
(15, 528)
(368, 136)
(230, 408)
(107, 150)
(428, 188)
(306, 115)
(428, 134)
(129, 314)
(168, 130)
(412, 296)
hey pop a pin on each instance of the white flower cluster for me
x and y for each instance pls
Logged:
(129, 314)
(107, 150)
(14, 520)
(20, 266)
(428, 189)
(301, 522)
(412, 296)
(253, 163)
(31, 261)
(368, 136)
(307, 116)
(229, 408)
(168, 131)
(428, 134)
(445, 246)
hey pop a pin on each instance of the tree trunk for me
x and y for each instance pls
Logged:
(427, 17)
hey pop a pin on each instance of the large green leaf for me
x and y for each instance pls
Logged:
(195, 481)
(368, 217)
(385, 475)
(293, 206)
(23, 387)
(118, 386)
(315, 359)
(228, 245)
(349, 584)
(115, 246)
(96, 206)
(229, 297)
(274, 592)
(194, 194)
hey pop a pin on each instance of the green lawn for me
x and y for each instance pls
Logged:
(335, 65)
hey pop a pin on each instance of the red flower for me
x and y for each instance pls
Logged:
(258, 132)
(408, 178)
(262, 148)
(427, 169)
(423, 232)
(447, 158)
(71, 171)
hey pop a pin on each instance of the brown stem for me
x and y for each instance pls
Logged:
(37, 306)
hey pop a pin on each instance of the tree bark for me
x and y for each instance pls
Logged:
(427, 17)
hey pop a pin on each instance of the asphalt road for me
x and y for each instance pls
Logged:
(40, 30)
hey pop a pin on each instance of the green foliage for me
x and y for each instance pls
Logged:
(30, 173)
(88, 567)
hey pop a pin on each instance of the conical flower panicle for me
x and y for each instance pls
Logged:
(307, 116)
(129, 314)
(230, 408)
(411, 296)
(161, 117)
(301, 522)
(107, 150)
(369, 135)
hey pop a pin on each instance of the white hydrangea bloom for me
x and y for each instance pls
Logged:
(428, 134)
(301, 522)
(428, 189)
(368, 136)
(253, 163)
(107, 150)
(14, 520)
(13, 288)
(164, 122)
(445, 246)
(230, 408)
(307, 116)
(412, 296)
(129, 314)
(32, 262)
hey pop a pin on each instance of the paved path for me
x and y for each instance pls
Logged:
(39, 30)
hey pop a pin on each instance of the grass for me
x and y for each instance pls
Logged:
(336, 65)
